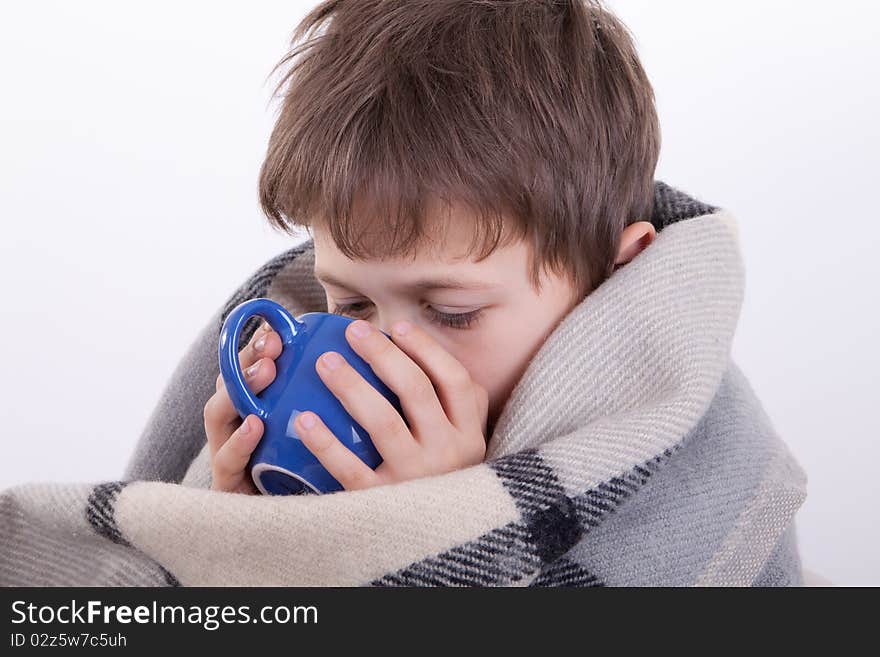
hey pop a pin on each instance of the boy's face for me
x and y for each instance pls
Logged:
(493, 324)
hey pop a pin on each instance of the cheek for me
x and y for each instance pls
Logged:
(498, 360)
(494, 357)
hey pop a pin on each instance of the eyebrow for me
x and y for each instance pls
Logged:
(442, 283)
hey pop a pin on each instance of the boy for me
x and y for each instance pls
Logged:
(477, 178)
(412, 135)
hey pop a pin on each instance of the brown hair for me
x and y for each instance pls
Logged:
(533, 114)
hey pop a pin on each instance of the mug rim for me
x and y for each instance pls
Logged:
(259, 468)
(348, 320)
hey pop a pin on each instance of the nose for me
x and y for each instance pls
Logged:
(384, 321)
(386, 326)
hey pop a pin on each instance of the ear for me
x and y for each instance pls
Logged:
(634, 239)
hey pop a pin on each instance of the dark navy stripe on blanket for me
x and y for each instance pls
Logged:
(672, 205)
(565, 572)
(552, 523)
(100, 510)
(101, 514)
(487, 561)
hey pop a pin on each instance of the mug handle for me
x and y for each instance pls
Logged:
(285, 325)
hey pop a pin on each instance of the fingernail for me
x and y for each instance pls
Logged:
(245, 427)
(260, 343)
(249, 372)
(401, 328)
(307, 420)
(360, 328)
(332, 360)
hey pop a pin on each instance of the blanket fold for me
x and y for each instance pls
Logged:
(631, 452)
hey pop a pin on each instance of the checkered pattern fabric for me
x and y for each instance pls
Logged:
(632, 451)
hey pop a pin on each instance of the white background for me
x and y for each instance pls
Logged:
(131, 136)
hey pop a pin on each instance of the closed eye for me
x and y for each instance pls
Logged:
(465, 320)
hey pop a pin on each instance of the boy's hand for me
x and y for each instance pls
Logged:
(229, 444)
(446, 410)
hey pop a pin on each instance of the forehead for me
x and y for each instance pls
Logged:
(450, 236)
(445, 259)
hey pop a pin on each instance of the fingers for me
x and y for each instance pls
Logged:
(228, 466)
(400, 373)
(264, 343)
(388, 431)
(231, 440)
(341, 462)
(482, 405)
(220, 416)
(450, 380)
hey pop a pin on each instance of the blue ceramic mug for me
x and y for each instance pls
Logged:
(281, 464)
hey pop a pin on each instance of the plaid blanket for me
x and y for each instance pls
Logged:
(631, 452)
